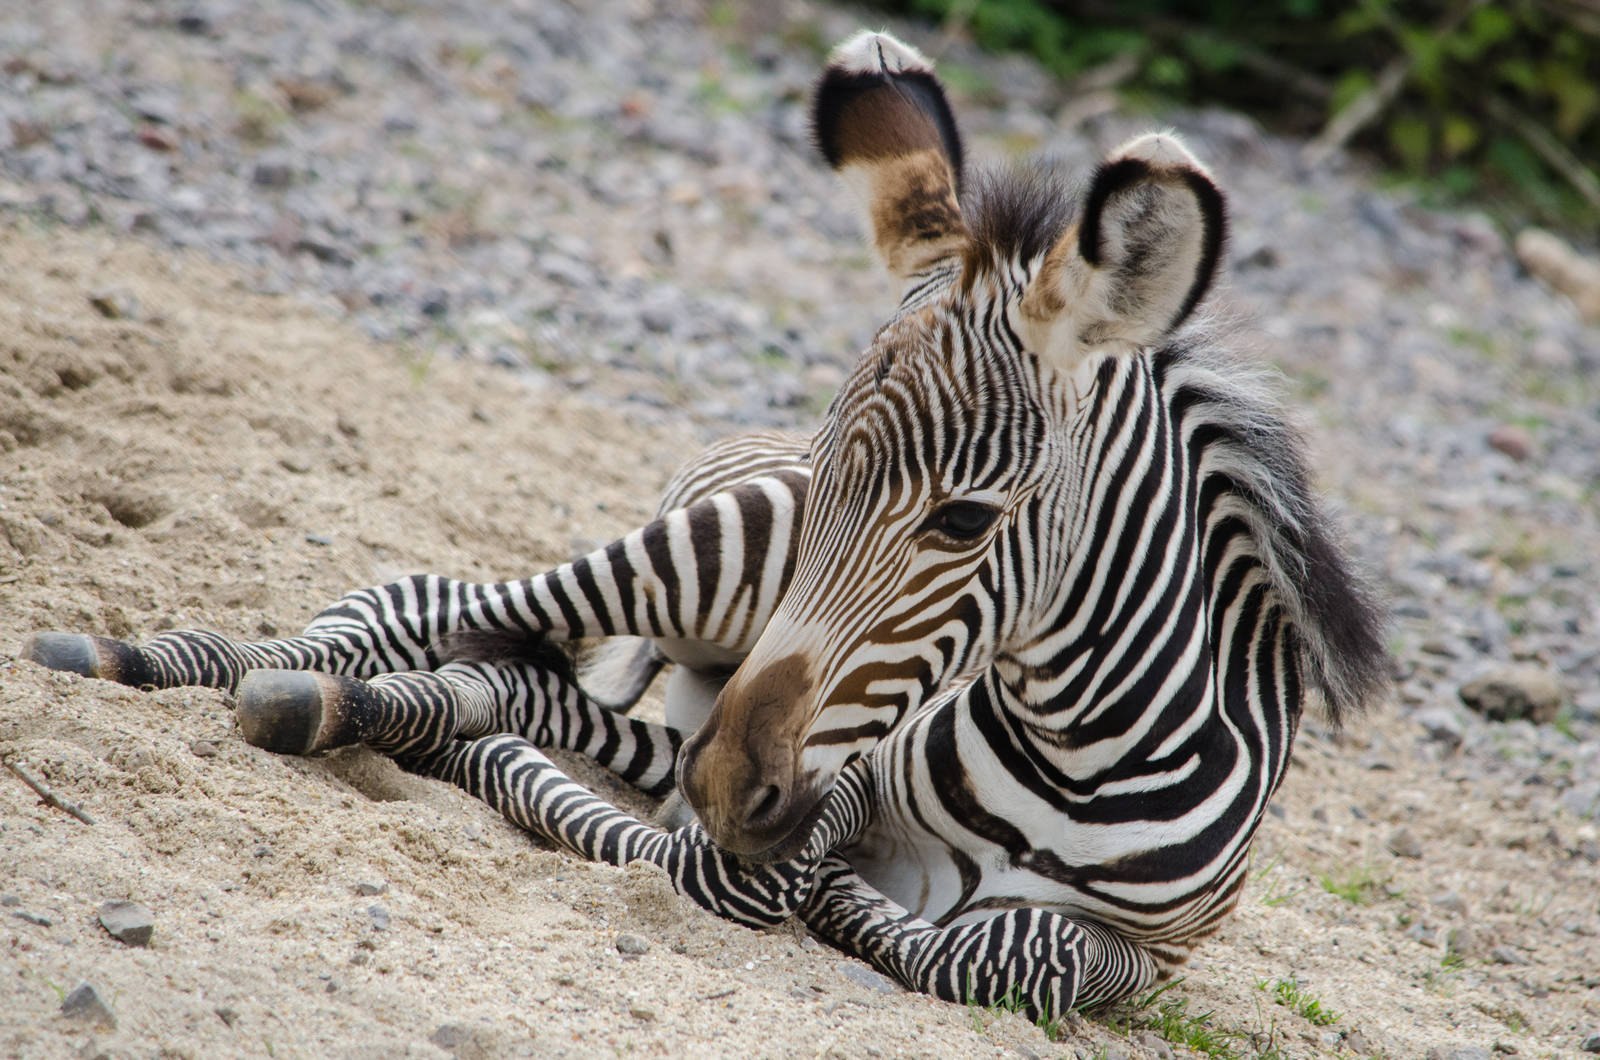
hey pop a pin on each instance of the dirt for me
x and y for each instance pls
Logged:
(180, 452)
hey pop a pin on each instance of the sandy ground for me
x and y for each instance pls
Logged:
(217, 458)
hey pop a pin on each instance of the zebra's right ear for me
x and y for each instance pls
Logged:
(882, 122)
(1139, 259)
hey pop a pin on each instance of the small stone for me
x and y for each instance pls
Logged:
(1450, 902)
(10, 901)
(371, 888)
(272, 175)
(1463, 941)
(641, 1012)
(32, 918)
(86, 1004)
(1403, 843)
(380, 917)
(1507, 955)
(1441, 724)
(1156, 1044)
(1591, 1044)
(1512, 440)
(226, 1015)
(157, 138)
(1460, 1052)
(203, 749)
(632, 946)
(319, 539)
(861, 975)
(114, 303)
(128, 922)
(1508, 693)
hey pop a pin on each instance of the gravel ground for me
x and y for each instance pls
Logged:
(616, 201)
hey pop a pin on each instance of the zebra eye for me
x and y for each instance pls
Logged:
(962, 520)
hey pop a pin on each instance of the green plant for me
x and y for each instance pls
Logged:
(1013, 1002)
(1358, 885)
(1170, 1018)
(1292, 996)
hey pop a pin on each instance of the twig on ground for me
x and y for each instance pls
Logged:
(1545, 144)
(48, 797)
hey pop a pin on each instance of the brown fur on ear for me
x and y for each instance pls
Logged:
(882, 122)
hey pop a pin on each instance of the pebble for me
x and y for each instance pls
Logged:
(114, 303)
(85, 1003)
(1507, 955)
(371, 888)
(203, 749)
(32, 918)
(861, 975)
(1459, 1052)
(1513, 441)
(1591, 1044)
(1507, 693)
(1403, 843)
(128, 922)
(380, 917)
(632, 946)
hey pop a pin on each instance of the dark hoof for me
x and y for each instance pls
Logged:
(78, 653)
(298, 712)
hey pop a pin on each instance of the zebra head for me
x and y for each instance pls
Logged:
(941, 500)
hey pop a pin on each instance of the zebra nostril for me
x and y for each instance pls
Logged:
(764, 806)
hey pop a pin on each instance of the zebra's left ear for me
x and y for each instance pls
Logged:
(882, 122)
(1135, 265)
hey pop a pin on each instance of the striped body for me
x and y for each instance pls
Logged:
(990, 681)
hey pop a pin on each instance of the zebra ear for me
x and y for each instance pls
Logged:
(882, 122)
(1137, 262)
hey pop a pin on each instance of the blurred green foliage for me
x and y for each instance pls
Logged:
(1496, 102)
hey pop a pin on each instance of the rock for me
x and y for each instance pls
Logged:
(128, 922)
(1156, 1045)
(157, 137)
(1553, 260)
(371, 888)
(86, 1004)
(1507, 955)
(226, 1015)
(861, 975)
(1450, 902)
(1512, 441)
(1511, 692)
(380, 917)
(1402, 843)
(1459, 1052)
(1591, 1044)
(641, 1012)
(32, 918)
(632, 946)
(1441, 724)
(115, 303)
(203, 749)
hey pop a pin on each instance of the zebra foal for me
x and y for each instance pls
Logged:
(989, 681)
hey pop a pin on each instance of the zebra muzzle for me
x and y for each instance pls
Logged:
(741, 770)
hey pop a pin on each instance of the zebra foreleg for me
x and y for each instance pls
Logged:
(1040, 961)
(530, 791)
(407, 715)
(387, 628)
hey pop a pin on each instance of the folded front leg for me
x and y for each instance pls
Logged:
(1047, 963)
(511, 775)
(410, 714)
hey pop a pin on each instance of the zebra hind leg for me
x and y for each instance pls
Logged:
(1038, 961)
(407, 715)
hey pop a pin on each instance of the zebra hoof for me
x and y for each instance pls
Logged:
(79, 653)
(298, 712)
